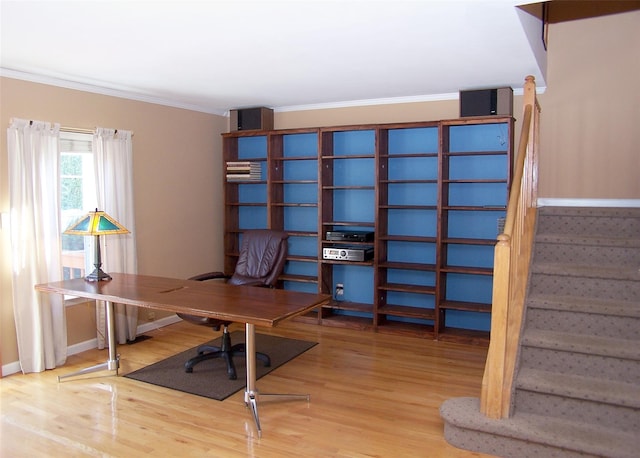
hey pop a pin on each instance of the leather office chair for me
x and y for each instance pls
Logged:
(262, 256)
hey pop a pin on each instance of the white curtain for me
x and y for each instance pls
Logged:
(113, 156)
(35, 243)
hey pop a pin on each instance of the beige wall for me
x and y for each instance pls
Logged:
(591, 110)
(590, 133)
(177, 185)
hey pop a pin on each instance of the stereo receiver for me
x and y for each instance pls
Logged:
(348, 253)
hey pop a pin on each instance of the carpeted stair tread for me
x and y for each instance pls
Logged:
(584, 305)
(583, 271)
(586, 240)
(577, 436)
(580, 343)
(579, 387)
(602, 212)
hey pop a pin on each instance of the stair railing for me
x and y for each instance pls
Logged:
(511, 265)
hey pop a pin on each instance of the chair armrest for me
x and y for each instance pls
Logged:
(209, 276)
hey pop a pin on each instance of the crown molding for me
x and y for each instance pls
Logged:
(123, 94)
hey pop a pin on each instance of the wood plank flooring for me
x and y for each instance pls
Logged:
(372, 395)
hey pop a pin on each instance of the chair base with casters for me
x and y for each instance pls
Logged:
(261, 260)
(225, 351)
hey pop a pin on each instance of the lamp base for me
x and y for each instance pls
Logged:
(98, 275)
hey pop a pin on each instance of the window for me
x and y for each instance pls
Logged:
(77, 196)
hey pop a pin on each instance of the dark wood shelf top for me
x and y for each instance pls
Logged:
(406, 311)
(476, 180)
(466, 306)
(245, 182)
(294, 181)
(482, 208)
(349, 263)
(294, 204)
(475, 153)
(350, 306)
(348, 156)
(295, 158)
(365, 224)
(408, 238)
(409, 155)
(409, 207)
(298, 278)
(467, 270)
(407, 266)
(430, 181)
(365, 187)
(463, 241)
(246, 204)
(303, 234)
(419, 289)
(299, 258)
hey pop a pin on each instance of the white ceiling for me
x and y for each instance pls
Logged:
(212, 55)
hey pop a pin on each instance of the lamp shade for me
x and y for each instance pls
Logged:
(96, 223)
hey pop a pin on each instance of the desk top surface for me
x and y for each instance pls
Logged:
(245, 304)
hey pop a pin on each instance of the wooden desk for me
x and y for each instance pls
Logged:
(244, 304)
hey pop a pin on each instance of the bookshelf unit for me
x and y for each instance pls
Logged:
(433, 193)
(293, 198)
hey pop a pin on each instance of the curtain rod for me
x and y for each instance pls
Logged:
(80, 130)
(77, 130)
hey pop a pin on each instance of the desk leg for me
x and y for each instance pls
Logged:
(251, 394)
(113, 362)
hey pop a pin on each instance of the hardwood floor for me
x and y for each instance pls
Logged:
(372, 395)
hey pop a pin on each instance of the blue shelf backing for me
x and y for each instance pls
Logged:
(252, 147)
(418, 252)
(418, 140)
(300, 145)
(478, 138)
(354, 143)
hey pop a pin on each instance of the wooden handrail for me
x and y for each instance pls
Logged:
(511, 266)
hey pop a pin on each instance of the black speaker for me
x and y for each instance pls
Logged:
(252, 119)
(486, 102)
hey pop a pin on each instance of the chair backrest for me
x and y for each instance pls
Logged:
(262, 256)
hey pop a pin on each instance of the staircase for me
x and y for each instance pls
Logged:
(577, 384)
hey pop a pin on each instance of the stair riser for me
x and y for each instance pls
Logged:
(622, 290)
(605, 415)
(589, 226)
(563, 362)
(587, 255)
(592, 324)
(503, 446)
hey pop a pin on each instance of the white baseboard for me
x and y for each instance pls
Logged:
(14, 367)
(617, 203)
